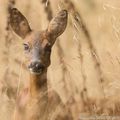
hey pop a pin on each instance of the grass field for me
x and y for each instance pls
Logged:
(85, 61)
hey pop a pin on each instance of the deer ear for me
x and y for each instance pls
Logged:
(19, 23)
(58, 24)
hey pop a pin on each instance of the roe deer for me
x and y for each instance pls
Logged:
(36, 102)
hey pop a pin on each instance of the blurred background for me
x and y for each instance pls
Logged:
(85, 60)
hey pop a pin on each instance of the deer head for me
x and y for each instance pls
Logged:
(38, 44)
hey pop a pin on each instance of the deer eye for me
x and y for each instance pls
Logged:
(26, 47)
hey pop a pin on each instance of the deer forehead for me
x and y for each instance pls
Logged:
(39, 38)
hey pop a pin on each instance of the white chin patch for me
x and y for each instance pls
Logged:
(36, 73)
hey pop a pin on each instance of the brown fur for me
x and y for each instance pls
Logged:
(36, 102)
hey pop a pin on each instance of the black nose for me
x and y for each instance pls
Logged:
(36, 66)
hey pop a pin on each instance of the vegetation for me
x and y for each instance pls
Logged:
(85, 60)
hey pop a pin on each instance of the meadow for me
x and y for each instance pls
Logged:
(85, 60)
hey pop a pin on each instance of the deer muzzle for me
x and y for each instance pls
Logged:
(36, 66)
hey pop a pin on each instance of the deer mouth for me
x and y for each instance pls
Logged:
(37, 72)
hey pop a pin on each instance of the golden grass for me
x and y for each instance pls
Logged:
(85, 59)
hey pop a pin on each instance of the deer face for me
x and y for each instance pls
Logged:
(37, 50)
(38, 44)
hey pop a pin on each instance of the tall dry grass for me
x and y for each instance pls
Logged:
(85, 63)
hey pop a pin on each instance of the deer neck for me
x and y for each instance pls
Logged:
(38, 84)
